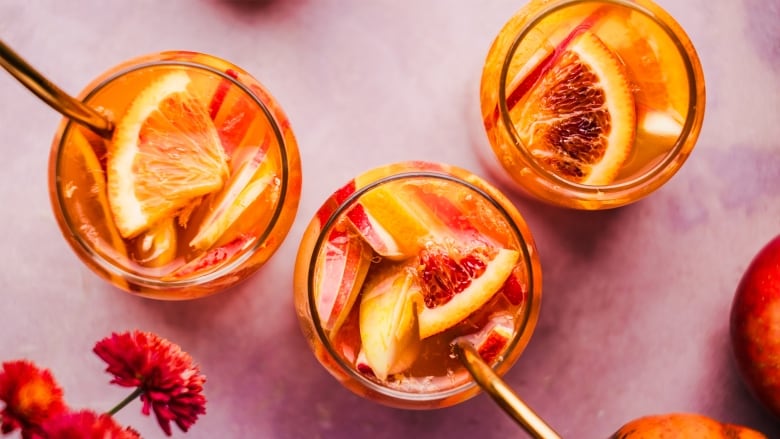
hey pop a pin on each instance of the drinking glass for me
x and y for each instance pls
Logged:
(590, 104)
(193, 190)
(404, 262)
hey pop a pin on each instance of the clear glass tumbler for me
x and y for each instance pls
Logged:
(195, 188)
(401, 263)
(590, 104)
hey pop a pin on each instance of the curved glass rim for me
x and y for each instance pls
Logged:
(647, 175)
(314, 313)
(130, 276)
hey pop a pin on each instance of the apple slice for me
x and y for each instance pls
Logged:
(493, 338)
(251, 179)
(214, 257)
(389, 329)
(157, 246)
(384, 220)
(341, 269)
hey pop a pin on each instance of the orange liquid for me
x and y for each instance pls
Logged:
(165, 252)
(464, 219)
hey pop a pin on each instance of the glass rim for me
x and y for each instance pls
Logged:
(113, 267)
(530, 308)
(689, 130)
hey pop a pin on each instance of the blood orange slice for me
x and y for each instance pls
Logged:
(579, 119)
(456, 282)
(165, 154)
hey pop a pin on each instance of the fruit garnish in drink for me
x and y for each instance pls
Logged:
(252, 177)
(578, 119)
(389, 329)
(491, 340)
(156, 246)
(390, 225)
(165, 155)
(212, 258)
(456, 282)
(341, 271)
(87, 192)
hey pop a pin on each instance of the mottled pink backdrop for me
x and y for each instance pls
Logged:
(635, 310)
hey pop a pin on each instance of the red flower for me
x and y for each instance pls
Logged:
(85, 424)
(31, 396)
(164, 375)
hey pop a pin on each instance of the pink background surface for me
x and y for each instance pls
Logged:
(635, 310)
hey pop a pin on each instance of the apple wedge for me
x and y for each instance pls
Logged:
(340, 271)
(389, 329)
(493, 338)
(252, 177)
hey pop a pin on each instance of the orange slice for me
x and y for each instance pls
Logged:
(579, 119)
(165, 154)
(91, 207)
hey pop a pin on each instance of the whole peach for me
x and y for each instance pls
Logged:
(755, 326)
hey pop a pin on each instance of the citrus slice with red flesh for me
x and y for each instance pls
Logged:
(578, 120)
(389, 330)
(340, 271)
(165, 155)
(456, 282)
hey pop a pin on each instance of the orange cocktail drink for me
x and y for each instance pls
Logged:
(591, 104)
(402, 262)
(197, 186)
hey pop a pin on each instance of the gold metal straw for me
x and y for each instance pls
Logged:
(52, 95)
(502, 394)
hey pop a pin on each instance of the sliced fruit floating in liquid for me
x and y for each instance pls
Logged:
(389, 329)
(578, 119)
(340, 271)
(165, 154)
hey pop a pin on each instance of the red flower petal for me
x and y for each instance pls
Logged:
(31, 396)
(171, 383)
(86, 424)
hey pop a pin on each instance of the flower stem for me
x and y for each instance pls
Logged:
(125, 401)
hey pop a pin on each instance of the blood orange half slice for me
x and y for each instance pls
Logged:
(165, 154)
(579, 119)
(456, 282)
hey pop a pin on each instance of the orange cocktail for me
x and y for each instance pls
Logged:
(197, 186)
(591, 104)
(402, 262)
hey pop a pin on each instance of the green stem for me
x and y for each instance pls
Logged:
(137, 392)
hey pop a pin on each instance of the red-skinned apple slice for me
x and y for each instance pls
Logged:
(389, 330)
(375, 231)
(214, 257)
(341, 269)
(492, 339)
(251, 179)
